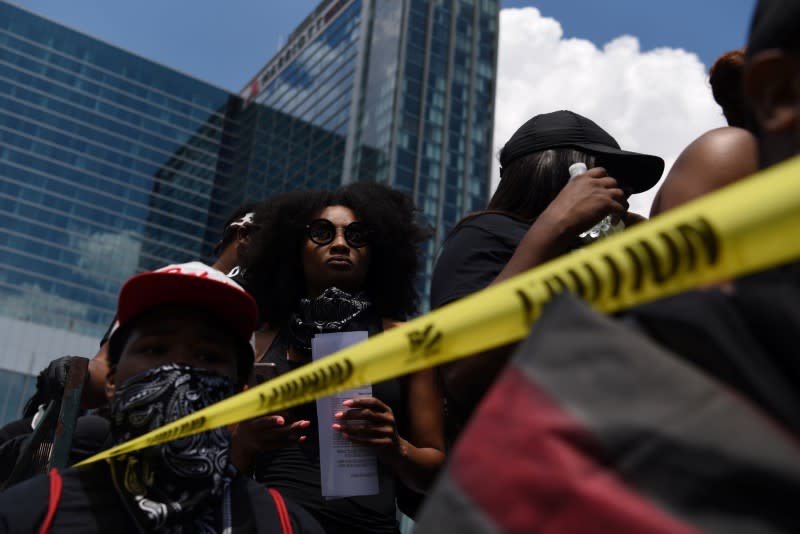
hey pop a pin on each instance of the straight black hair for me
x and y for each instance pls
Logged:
(530, 183)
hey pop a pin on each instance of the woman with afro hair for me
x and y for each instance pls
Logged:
(340, 261)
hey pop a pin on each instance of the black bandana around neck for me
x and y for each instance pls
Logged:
(332, 311)
(182, 485)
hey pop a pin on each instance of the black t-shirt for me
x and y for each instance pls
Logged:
(90, 503)
(748, 338)
(295, 471)
(473, 256)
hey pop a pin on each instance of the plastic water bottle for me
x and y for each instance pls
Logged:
(606, 226)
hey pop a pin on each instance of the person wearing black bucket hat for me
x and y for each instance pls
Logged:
(537, 213)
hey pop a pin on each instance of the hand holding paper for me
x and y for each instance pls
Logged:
(370, 422)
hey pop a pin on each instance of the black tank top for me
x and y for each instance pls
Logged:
(294, 470)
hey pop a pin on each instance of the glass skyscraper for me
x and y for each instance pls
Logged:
(107, 164)
(112, 164)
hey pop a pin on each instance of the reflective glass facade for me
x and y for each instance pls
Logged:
(445, 111)
(298, 115)
(405, 87)
(112, 164)
(107, 166)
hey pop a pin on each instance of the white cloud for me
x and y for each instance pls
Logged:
(294, 95)
(109, 255)
(104, 256)
(655, 102)
(34, 304)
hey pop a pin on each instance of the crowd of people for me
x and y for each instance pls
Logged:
(677, 416)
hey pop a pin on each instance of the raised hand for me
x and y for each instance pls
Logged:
(583, 202)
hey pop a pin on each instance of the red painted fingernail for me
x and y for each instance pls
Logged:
(348, 402)
(338, 415)
(301, 438)
(280, 420)
(336, 426)
(305, 424)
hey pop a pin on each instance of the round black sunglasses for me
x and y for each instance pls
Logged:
(323, 231)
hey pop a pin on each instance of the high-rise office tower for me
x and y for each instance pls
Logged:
(107, 166)
(112, 164)
(395, 91)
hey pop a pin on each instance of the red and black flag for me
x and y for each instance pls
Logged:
(595, 428)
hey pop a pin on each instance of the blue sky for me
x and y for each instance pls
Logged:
(706, 27)
(226, 42)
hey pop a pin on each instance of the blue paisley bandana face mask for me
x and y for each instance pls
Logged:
(181, 485)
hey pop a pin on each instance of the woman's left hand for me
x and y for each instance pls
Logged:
(369, 421)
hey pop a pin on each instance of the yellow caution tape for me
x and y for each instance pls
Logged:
(749, 226)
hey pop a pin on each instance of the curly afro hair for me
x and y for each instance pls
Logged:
(271, 259)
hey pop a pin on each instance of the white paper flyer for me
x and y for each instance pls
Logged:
(347, 469)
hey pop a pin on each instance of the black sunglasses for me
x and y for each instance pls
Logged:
(323, 231)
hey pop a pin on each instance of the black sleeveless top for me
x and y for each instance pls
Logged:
(294, 470)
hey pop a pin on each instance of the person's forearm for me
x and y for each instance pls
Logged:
(468, 379)
(417, 467)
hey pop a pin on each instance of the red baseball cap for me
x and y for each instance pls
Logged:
(193, 283)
